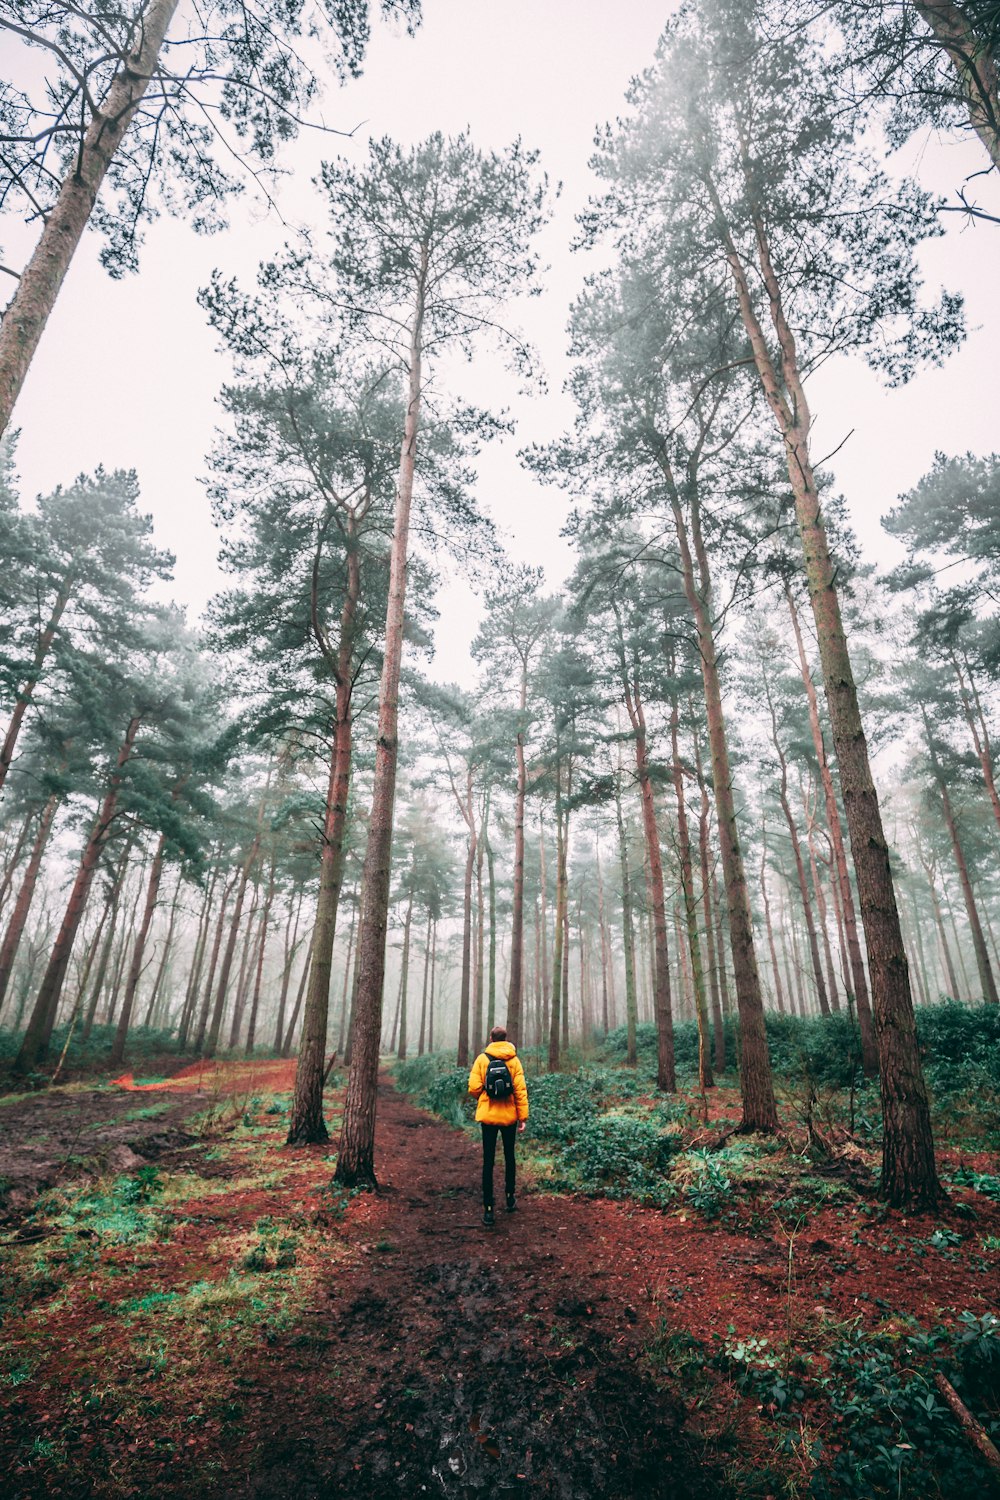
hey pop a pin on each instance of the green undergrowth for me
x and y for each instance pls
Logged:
(855, 1413)
(600, 1127)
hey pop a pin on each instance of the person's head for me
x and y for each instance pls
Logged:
(498, 1034)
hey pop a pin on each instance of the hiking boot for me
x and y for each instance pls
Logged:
(511, 1203)
(488, 1218)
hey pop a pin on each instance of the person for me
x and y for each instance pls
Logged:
(502, 1110)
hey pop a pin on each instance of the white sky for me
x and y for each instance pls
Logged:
(127, 372)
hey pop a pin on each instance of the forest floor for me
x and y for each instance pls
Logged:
(191, 1309)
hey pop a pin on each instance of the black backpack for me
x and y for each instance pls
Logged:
(499, 1083)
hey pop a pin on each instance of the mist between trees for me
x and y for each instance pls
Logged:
(271, 831)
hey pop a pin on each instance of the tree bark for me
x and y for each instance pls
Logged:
(261, 951)
(36, 1038)
(760, 1111)
(356, 1154)
(215, 1027)
(404, 979)
(975, 69)
(19, 916)
(778, 991)
(987, 980)
(423, 999)
(859, 988)
(705, 1079)
(666, 1077)
(41, 279)
(718, 1029)
(138, 952)
(909, 1170)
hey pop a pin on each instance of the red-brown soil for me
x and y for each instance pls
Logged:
(428, 1355)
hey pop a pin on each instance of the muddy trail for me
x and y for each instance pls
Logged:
(456, 1360)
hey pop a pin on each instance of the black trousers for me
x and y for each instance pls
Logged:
(490, 1133)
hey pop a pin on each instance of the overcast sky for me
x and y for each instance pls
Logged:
(127, 373)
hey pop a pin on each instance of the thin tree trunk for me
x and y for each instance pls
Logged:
(41, 279)
(138, 953)
(778, 991)
(517, 912)
(404, 979)
(206, 1003)
(39, 1030)
(800, 869)
(22, 906)
(261, 950)
(558, 988)
(666, 1077)
(543, 891)
(491, 978)
(286, 1046)
(430, 1003)
(423, 999)
(215, 1025)
(718, 1029)
(480, 946)
(161, 970)
(986, 978)
(759, 1109)
(11, 864)
(705, 1079)
(111, 906)
(859, 977)
(290, 948)
(342, 1033)
(197, 961)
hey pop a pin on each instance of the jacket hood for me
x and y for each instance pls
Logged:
(501, 1049)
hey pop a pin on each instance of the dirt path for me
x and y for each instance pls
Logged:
(452, 1360)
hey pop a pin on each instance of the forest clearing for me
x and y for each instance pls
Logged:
(499, 674)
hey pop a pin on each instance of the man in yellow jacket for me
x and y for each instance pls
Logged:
(497, 1081)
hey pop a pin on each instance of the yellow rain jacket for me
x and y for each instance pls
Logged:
(499, 1111)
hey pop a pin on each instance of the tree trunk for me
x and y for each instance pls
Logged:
(491, 991)
(290, 948)
(356, 1155)
(342, 1031)
(19, 916)
(261, 951)
(111, 907)
(517, 911)
(778, 992)
(666, 1077)
(909, 1170)
(430, 1003)
(404, 979)
(760, 1112)
(36, 1038)
(11, 864)
(138, 952)
(44, 643)
(197, 960)
(974, 67)
(859, 987)
(543, 892)
(41, 279)
(206, 1003)
(215, 1026)
(152, 1013)
(705, 1079)
(286, 1046)
(479, 946)
(463, 1007)
(555, 1014)
(718, 1029)
(986, 978)
(423, 999)
(821, 911)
